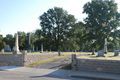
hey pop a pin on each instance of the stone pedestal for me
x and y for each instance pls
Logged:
(100, 53)
(16, 49)
(41, 49)
(74, 62)
(116, 52)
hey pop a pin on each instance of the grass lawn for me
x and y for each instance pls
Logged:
(108, 56)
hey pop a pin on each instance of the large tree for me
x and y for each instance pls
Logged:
(103, 19)
(55, 26)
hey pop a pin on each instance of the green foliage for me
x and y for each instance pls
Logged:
(103, 18)
(9, 40)
(55, 27)
(2, 45)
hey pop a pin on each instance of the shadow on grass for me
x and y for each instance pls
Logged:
(111, 56)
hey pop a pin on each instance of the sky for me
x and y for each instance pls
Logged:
(22, 15)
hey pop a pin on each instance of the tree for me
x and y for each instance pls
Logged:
(55, 26)
(9, 40)
(2, 44)
(103, 18)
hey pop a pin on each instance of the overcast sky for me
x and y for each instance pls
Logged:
(22, 15)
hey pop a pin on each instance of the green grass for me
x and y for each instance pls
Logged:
(51, 59)
(108, 56)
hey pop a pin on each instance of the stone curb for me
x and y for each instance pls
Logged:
(88, 77)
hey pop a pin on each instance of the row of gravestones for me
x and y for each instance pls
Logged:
(101, 53)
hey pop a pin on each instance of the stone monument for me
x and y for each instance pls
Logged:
(59, 53)
(116, 52)
(100, 53)
(41, 48)
(33, 47)
(16, 49)
(93, 52)
(29, 45)
(105, 46)
(2, 51)
(36, 48)
(7, 49)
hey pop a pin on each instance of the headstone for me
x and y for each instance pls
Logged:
(33, 47)
(105, 46)
(93, 52)
(29, 45)
(68, 50)
(59, 53)
(13, 48)
(16, 50)
(2, 51)
(36, 48)
(100, 53)
(116, 52)
(41, 48)
(75, 50)
(7, 49)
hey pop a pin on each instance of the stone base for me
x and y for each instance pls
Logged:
(105, 52)
(93, 53)
(41, 51)
(16, 52)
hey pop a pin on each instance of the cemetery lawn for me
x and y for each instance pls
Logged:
(108, 56)
(64, 54)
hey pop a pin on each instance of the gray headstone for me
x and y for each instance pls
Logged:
(105, 46)
(93, 52)
(36, 48)
(100, 53)
(116, 52)
(29, 45)
(59, 52)
(7, 49)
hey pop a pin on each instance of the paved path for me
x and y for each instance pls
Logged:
(55, 64)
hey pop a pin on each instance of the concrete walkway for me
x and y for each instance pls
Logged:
(60, 72)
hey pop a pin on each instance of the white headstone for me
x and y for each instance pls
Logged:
(2, 51)
(100, 53)
(41, 48)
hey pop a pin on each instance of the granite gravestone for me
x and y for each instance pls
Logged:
(36, 48)
(7, 49)
(41, 48)
(93, 52)
(33, 48)
(116, 52)
(29, 45)
(105, 46)
(59, 53)
(100, 53)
